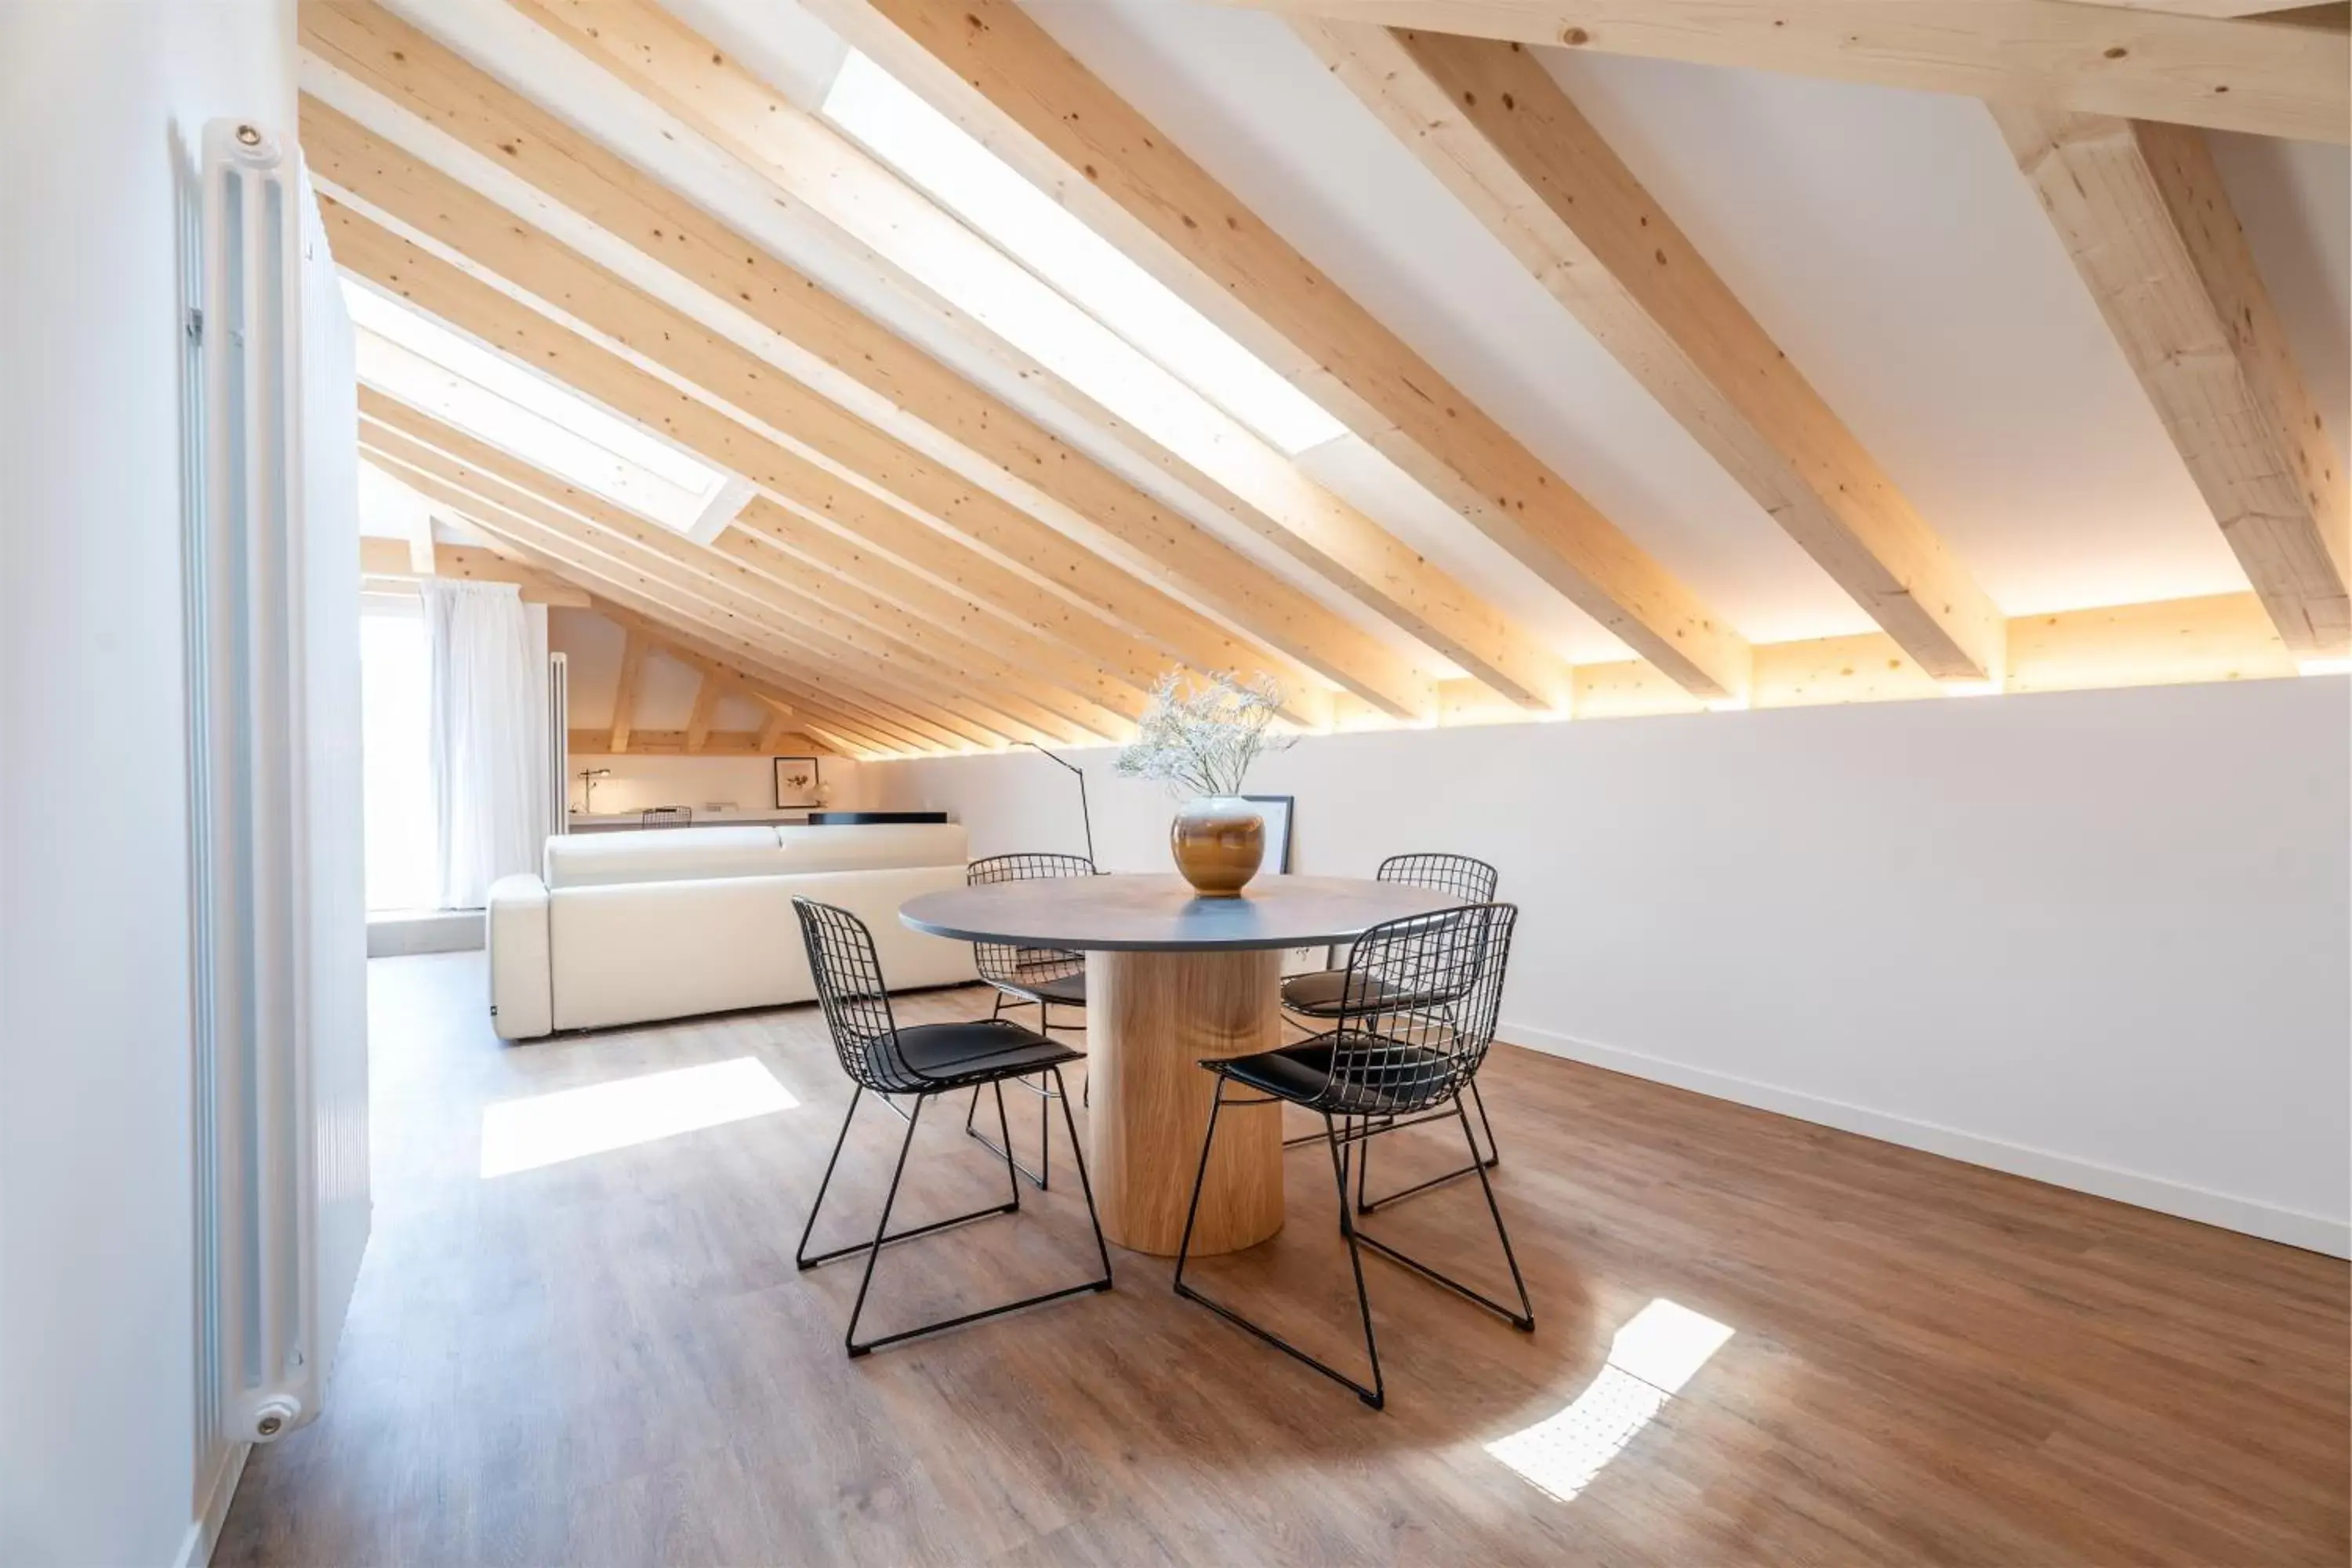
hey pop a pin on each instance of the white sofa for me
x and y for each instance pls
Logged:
(625, 928)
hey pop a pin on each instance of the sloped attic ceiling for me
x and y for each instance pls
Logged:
(1882, 237)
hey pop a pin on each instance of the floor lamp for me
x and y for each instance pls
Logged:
(1085, 818)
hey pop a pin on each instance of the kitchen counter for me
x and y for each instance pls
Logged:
(616, 821)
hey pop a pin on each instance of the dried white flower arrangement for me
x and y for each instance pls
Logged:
(1200, 737)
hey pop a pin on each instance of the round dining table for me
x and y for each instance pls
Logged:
(1173, 979)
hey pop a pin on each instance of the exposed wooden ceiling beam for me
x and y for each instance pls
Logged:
(811, 693)
(661, 57)
(806, 691)
(771, 735)
(707, 694)
(719, 742)
(988, 66)
(898, 597)
(763, 528)
(2269, 78)
(888, 537)
(352, 159)
(2142, 209)
(914, 690)
(369, 251)
(783, 604)
(2270, 8)
(689, 649)
(396, 558)
(1490, 122)
(625, 693)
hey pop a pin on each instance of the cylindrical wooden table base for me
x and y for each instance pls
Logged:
(1151, 1018)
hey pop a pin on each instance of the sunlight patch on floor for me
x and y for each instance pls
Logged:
(548, 1128)
(1657, 1351)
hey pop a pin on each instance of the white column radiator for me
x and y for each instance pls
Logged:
(279, 985)
(559, 744)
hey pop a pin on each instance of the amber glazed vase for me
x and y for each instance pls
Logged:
(1218, 841)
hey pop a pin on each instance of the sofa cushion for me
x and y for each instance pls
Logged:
(662, 855)
(627, 954)
(871, 845)
(697, 854)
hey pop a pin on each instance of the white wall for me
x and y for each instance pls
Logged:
(2099, 938)
(96, 1443)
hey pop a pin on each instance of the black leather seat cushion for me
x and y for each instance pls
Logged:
(1066, 988)
(983, 1048)
(1407, 1078)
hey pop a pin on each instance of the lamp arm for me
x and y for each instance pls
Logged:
(1086, 819)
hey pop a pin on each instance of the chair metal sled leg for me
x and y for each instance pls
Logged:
(1025, 974)
(802, 1257)
(1411, 1019)
(1042, 1178)
(1486, 1162)
(1375, 1393)
(924, 1062)
(1524, 1319)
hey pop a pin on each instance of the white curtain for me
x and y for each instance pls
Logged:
(489, 719)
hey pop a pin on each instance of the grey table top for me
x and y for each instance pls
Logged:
(1141, 913)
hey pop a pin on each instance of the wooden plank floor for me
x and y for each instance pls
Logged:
(613, 1359)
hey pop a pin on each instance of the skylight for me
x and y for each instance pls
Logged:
(423, 363)
(969, 180)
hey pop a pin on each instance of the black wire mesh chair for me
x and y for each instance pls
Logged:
(1021, 976)
(1410, 1030)
(925, 1060)
(1314, 998)
(666, 817)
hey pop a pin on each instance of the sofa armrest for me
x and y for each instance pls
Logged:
(522, 994)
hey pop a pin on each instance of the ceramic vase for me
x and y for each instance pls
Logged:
(1218, 841)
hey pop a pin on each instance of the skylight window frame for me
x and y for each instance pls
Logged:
(966, 179)
(540, 421)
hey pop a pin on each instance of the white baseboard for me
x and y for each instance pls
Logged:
(2315, 1232)
(204, 1533)
(432, 931)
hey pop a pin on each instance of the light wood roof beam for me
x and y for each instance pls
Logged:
(991, 68)
(787, 699)
(772, 735)
(343, 153)
(877, 589)
(763, 528)
(887, 536)
(2269, 78)
(2221, 7)
(625, 693)
(780, 604)
(914, 690)
(394, 558)
(1255, 486)
(2142, 210)
(811, 691)
(789, 709)
(1493, 125)
(369, 251)
(707, 693)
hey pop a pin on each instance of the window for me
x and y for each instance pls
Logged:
(425, 364)
(396, 774)
(965, 178)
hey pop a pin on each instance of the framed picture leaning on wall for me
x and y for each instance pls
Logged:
(798, 783)
(1275, 809)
